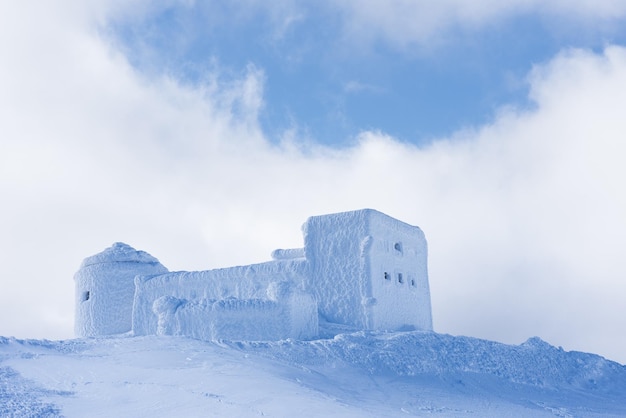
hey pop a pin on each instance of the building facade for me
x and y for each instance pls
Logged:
(360, 269)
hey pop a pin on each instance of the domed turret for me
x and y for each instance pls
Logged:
(105, 289)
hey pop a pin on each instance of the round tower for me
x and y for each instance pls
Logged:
(105, 289)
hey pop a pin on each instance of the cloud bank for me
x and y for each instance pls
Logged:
(525, 217)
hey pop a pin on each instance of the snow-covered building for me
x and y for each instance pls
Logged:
(361, 269)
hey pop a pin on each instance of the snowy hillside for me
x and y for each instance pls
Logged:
(350, 375)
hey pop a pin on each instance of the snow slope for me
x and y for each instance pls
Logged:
(363, 374)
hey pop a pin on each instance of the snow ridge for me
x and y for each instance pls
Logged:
(357, 374)
(534, 363)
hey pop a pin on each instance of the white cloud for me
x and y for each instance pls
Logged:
(403, 22)
(525, 217)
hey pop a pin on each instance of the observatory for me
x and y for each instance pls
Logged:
(360, 269)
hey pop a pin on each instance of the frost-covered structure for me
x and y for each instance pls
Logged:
(361, 269)
(105, 289)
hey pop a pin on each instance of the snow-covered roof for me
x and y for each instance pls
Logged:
(119, 252)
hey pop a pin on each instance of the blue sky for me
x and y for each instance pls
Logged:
(207, 133)
(331, 88)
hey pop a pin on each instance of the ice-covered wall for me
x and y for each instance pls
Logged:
(400, 293)
(105, 289)
(284, 313)
(368, 270)
(199, 289)
(334, 248)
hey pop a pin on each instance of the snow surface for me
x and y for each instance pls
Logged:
(362, 374)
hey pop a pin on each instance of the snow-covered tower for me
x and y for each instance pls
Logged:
(368, 270)
(105, 289)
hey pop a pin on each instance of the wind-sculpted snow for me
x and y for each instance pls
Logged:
(21, 397)
(360, 374)
(534, 362)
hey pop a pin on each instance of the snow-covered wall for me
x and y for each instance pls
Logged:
(105, 289)
(204, 288)
(284, 313)
(397, 255)
(334, 248)
(368, 270)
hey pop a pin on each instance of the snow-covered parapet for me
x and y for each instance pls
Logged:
(362, 269)
(288, 254)
(284, 314)
(105, 289)
(246, 288)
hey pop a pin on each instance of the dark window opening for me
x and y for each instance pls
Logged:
(86, 296)
(412, 282)
(387, 276)
(398, 247)
(400, 279)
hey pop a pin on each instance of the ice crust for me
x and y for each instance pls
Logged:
(361, 269)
